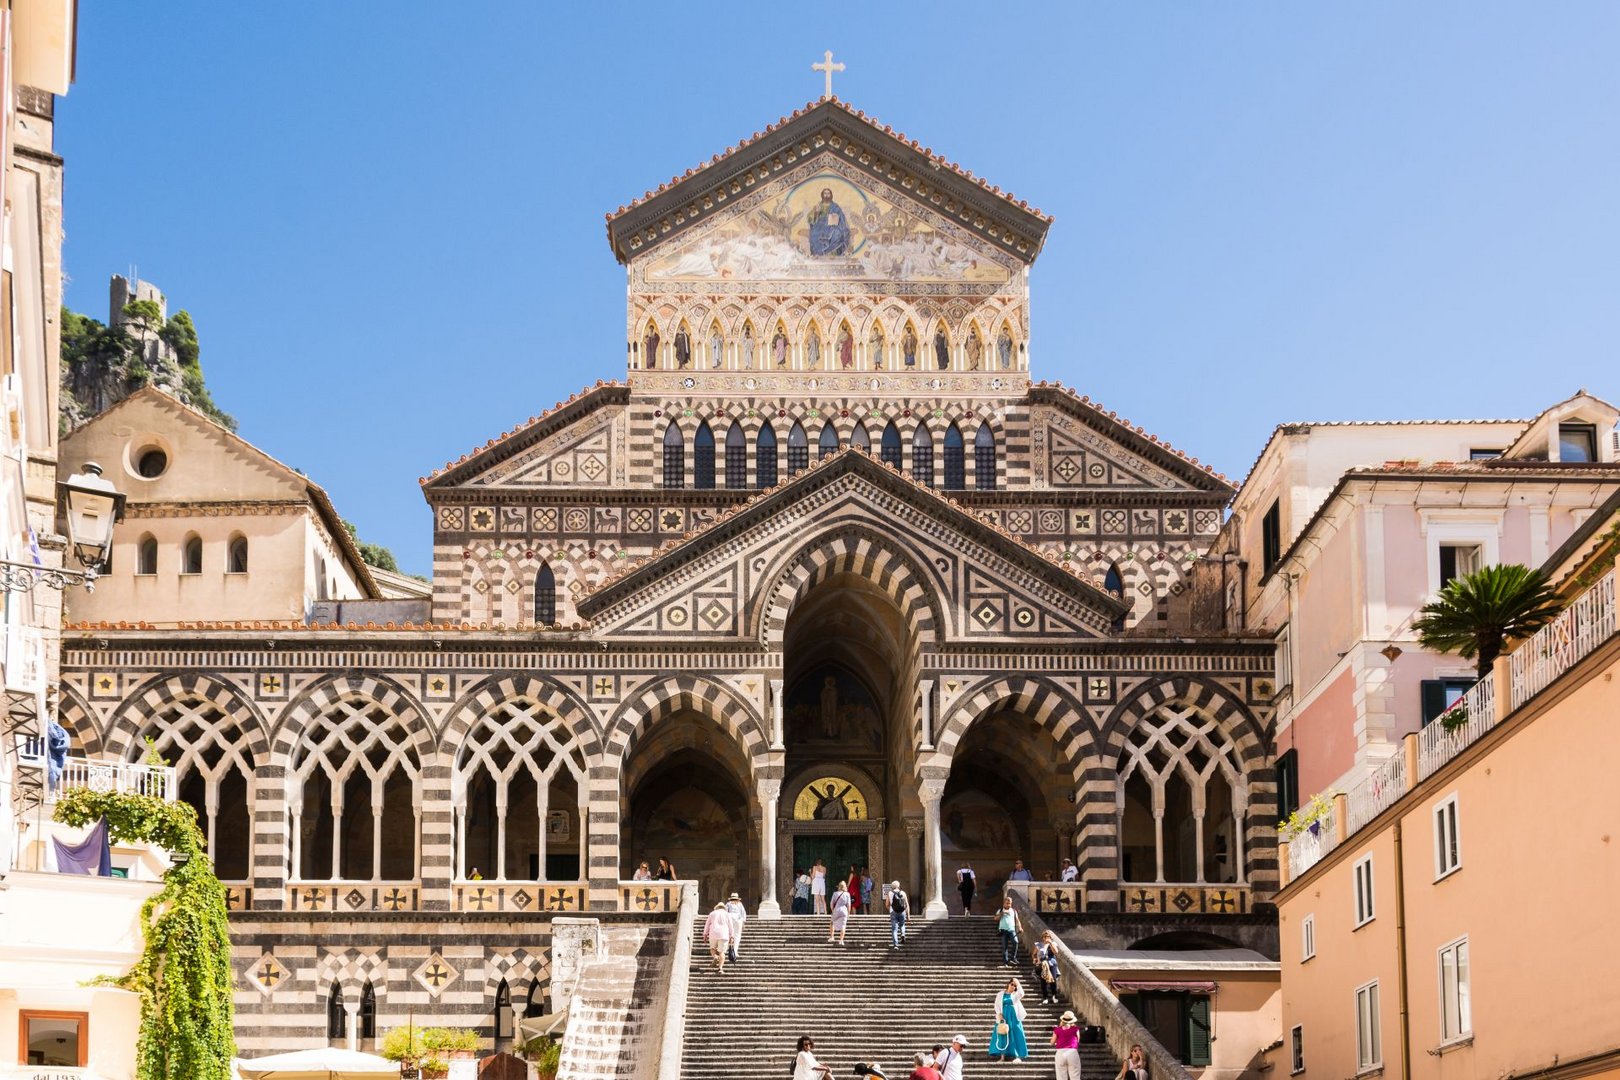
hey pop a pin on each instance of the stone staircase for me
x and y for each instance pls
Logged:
(860, 1002)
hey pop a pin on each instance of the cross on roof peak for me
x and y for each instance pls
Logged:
(829, 67)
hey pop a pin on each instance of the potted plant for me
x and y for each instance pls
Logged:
(1308, 818)
(1455, 717)
(545, 1053)
(430, 1049)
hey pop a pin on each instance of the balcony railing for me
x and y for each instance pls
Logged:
(154, 780)
(1588, 622)
(24, 657)
(1377, 793)
(1555, 648)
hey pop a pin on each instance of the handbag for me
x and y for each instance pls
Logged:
(1002, 1028)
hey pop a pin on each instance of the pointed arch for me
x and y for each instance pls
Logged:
(504, 1026)
(368, 1011)
(940, 347)
(853, 548)
(703, 457)
(191, 554)
(1049, 705)
(651, 702)
(736, 456)
(545, 595)
(765, 457)
(860, 439)
(984, 457)
(827, 443)
(798, 449)
(955, 459)
(681, 347)
(922, 456)
(236, 554)
(674, 456)
(889, 452)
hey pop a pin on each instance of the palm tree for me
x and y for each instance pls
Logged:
(1475, 615)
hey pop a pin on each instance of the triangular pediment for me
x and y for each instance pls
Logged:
(571, 445)
(977, 583)
(885, 160)
(1076, 444)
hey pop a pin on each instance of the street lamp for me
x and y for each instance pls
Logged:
(92, 507)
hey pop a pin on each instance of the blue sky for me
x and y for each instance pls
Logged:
(387, 220)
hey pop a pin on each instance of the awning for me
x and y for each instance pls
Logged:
(546, 1025)
(1130, 985)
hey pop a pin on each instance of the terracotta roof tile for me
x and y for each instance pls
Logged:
(870, 121)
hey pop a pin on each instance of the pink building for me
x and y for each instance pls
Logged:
(1342, 531)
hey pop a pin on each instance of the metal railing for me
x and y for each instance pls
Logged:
(1306, 848)
(154, 780)
(1447, 734)
(1377, 793)
(1585, 624)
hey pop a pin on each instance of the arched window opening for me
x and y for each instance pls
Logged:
(827, 443)
(798, 449)
(674, 457)
(703, 457)
(517, 791)
(955, 460)
(1113, 584)
(146, 556)
(504, 1025)
(236, 556)
(765, 458)
(984, 458)
(191, 556)
(368, 1012)
(337, 1014)
(649, 347)
(213, 766)
(922, 456)
(1182, 801)
(545, 596)
(736, 457)
(889, 451)
(860, 440)
(352, 796)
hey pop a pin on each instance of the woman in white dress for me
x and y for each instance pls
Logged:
(818, 887)
(840, 914)
(805, 1065)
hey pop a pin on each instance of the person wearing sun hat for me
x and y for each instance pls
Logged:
(739, 915)
(950, 1062)
(1066, 1038)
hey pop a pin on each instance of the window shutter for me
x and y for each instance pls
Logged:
(1198, 1030)
(1433, 697)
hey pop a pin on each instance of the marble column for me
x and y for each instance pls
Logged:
(931, 792)
(770, 792)
(914, 832)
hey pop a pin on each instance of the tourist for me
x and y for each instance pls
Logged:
(898, 907)
(950, 1062)
(1135, 1067)
(666, 870)
(475, 875)
(866, 890)
(1046, 966)
(855, 890)
(1066, 1038)
(739, 915)
(1007, 1038)
(717, 932)
(642, 873)
(818, 886)
(805, 1065)
(840, 915)
(966, 883)
(922, 1068)
(801, 893)
(1020, 873)
(1070, 871)
(1010, 928)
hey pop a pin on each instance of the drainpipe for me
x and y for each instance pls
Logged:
(1400, 956)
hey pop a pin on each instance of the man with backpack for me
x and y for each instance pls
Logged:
(897, 914)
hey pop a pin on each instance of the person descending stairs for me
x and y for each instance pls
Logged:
(863, 1001)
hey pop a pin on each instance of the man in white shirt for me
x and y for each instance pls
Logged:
(950, 1061)
(1070, 872)
(739, 915)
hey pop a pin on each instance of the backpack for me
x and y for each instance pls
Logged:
(897, 903)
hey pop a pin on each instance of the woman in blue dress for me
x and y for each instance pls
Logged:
(1007, 1037)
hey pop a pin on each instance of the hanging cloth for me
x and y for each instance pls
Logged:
(92, 855)
(56, 750)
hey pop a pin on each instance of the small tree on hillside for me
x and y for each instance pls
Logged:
(1475, 615)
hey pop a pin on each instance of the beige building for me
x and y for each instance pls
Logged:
(1342, 531)
(1454, 916)
(214, 529)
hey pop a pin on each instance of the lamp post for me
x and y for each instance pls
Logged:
(92, 507)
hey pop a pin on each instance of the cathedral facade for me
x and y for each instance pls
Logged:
(825, 577)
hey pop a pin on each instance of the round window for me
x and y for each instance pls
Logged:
(151, 462)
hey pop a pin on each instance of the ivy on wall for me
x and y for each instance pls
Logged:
(184, 974)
